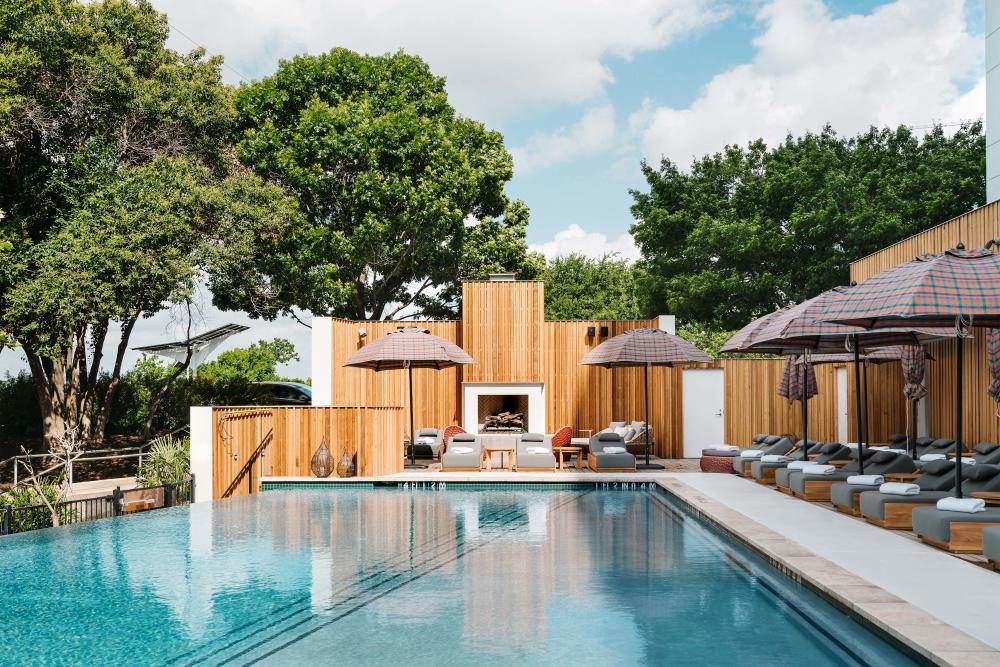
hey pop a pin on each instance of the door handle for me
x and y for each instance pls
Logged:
(719, 413)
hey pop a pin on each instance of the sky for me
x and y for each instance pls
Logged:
(585, 90)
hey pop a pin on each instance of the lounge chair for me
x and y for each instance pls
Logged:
(817, 487)
(960, 532)
(763, 472)
(428, 443)
(937, 446)
(456, 459)
(829, 453)
(987, 453)
(893, 511)
(991, 546)
(599, 460)
(533, 461)
(633, 434)
(772, 444)
(936, 482)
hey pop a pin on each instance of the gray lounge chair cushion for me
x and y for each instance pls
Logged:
(843, 494)
(771, 439)
(987, 452)
(624, 460)
(527, 459)
(759, 437)
(798, 479)
(892, 463)
(936, 524)
(991, 543)
(873, 502)
(938, 446)
(452, 459)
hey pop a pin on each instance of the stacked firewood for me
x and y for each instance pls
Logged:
(505, 421)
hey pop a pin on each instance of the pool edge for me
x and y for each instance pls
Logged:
(929, 638)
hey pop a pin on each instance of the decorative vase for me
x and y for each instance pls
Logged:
(345, 468)
(322, 461)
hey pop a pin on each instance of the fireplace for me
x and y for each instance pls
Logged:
(503, 413)
(481, 400)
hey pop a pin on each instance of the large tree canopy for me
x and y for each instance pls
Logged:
(115, 189)
(404, 196)
(580, 288)
(751, 229)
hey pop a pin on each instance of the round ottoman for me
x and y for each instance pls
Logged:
(717, 463)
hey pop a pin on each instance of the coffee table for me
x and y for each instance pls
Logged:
(488, 453)
(559, 451)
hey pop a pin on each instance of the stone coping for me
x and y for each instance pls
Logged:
(924, 633)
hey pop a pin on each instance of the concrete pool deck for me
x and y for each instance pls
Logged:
(944, 608)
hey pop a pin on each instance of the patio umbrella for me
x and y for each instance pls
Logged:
(993, 354)
(805, 326)
(644, 347)
(798, 383)
(957, 288)
(409, 348)
(914, 360)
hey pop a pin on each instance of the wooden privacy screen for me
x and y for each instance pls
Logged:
(371, 436)
(502, 330)
(974, 228)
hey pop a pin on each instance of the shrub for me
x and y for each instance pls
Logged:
(168, 462)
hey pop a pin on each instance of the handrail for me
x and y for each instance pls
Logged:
(247, 467)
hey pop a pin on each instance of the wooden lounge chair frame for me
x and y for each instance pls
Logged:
(854, 510)
(817, 490)
(898, 516)
(592, 464)
(965, 538)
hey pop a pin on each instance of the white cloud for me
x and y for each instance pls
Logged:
(906, 62)
(501, 57)
(593, 133)
(574, 239)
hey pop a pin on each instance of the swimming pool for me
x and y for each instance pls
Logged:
(393, 576)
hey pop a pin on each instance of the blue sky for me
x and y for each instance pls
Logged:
(584, 90)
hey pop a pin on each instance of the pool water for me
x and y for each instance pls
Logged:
(495, 576)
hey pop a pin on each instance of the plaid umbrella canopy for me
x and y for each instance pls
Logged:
(805, 326)
(409, 348)
(958, 288)
(644, 347)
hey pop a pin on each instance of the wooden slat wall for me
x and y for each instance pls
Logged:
(886, 409)
(436, 394)
(502, 330)
(753, 405)
(974, 228)
(371, 436)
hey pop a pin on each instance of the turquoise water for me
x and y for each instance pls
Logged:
(578, 576)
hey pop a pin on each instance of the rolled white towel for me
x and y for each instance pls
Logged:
(614, 450)
(799, 465)
(967, 505)
(424, 440)
(774, 458)
(899, 489)
(932, 457)
(894, 450)
(817, 469)
(752, 453)
(461, 450)
(537, 450)
(968, 461)
(866, 480)
(852, 445)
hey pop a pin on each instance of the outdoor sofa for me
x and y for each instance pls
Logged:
(535, 461)
(600, 460)
(456, 458)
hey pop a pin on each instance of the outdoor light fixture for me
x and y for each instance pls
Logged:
(591, 331)
(604, 332)
(362, 333)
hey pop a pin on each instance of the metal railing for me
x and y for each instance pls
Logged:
(32, 517)
(68, 462)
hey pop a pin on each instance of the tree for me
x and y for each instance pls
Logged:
(749, 230)
(257, 363)
(403, 195)
(116, 191)
(580, 288)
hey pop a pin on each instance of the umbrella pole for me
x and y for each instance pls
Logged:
(857, 406)
(805, 412)
(413, 445)
(959, 346)
(647, 465)
(864, 402)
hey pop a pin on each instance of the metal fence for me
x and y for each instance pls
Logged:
(32, 517)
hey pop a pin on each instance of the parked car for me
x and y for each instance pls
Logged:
(284, 393)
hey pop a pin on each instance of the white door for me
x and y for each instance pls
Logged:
(842, 434)
(703, 397)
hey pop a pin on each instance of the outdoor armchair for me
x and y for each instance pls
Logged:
(599, 460)
(535, 461)
(455, 458)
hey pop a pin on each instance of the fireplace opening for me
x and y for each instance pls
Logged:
(503, 413)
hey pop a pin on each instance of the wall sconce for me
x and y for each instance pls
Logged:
(591, 332)
(604, 332)
(362, 333)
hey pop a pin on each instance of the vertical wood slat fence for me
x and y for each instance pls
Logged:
(371, 436)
